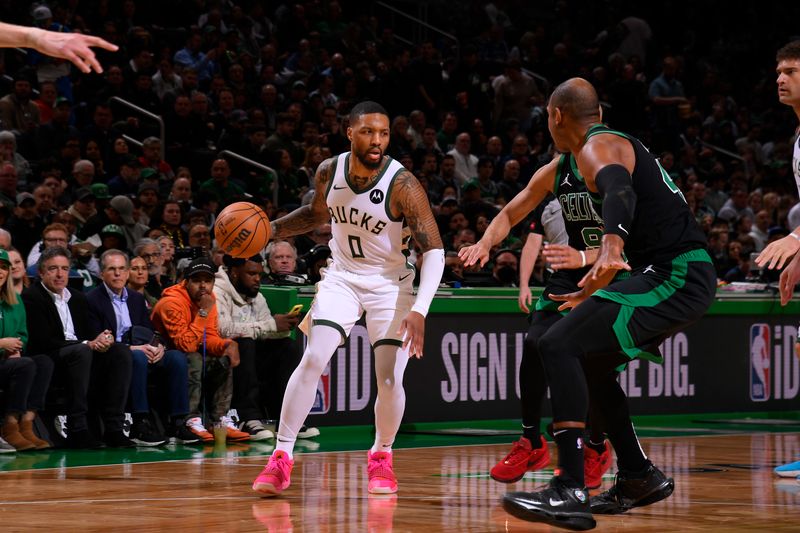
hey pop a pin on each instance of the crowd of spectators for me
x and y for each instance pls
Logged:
(90, 188)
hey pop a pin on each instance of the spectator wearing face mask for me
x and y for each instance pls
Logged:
(505, 269)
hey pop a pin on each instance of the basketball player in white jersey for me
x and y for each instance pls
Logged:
(374, 204)
(777, 253)
(780, 251)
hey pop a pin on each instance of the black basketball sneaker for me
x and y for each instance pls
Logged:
(557, 505)
(629, 492)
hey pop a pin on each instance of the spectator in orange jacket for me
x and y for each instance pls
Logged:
(186, 316)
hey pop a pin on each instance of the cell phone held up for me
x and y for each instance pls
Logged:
(295, 310)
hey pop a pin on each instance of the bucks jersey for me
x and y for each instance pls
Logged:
(663, 227)
(366, 239)
(584, 227)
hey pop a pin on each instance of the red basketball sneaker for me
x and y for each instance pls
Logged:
(381, 474)
(519, 460)
(275, 478)
(595, 465)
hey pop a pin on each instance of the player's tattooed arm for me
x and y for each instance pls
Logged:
(305, 218)
(410, 201)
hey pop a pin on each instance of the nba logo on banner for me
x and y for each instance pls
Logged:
(322, 400)
(760, 349)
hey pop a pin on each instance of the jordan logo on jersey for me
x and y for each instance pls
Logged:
(376, 196)
(566, 180)
(343, 215)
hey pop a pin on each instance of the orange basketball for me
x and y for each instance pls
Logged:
(242, 229)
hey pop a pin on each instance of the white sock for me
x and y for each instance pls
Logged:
(302, 387)
(390, 364)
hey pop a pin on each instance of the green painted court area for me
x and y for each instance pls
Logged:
(355, 438)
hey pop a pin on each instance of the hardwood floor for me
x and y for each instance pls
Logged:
(723, 483)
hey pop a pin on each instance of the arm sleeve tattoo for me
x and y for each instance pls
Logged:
(410, 201)
(305, 218)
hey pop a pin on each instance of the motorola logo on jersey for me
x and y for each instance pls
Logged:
(351, 215)
(376, 196)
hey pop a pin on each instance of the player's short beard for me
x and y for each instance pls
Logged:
(362, 157)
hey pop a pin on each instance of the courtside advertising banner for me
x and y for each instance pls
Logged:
(471, 365)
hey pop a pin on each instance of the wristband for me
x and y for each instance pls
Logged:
(791, 234)
(583, 258)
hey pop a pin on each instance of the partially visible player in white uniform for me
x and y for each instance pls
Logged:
(777, 253)
(374, 205)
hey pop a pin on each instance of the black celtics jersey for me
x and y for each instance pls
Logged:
(584, 226)
(663, 227)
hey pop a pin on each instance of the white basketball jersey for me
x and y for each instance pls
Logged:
(366, 238)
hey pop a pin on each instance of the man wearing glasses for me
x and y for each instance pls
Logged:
(124, 313)
(150, 251)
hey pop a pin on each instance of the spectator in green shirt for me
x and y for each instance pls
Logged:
(25, 379)
(220, 183)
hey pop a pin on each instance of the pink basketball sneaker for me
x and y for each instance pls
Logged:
(380, 473)
(274, 479)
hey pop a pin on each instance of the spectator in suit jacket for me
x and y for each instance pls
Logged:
(58, 325)
(114, 308)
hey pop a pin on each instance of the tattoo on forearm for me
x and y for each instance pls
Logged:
(411, 202)
(307, 217)
(301, 220)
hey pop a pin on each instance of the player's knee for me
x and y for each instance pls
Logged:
(389, 385)
(312, 364)
(548, 347)
(530, 346)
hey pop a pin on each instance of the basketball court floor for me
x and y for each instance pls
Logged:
(722, 465)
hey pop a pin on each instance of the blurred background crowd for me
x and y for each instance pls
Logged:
(211, 102)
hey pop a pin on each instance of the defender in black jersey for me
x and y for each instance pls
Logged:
(583, 229)
(672, 284)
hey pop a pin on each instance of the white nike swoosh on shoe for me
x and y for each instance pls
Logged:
(556, 503)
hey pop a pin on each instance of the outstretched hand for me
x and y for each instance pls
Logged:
(74, 47)
(777, 253)
(562, 256)
(412, 331)
(609, 260)
(789, 279)
(571, 300)
(476, 253)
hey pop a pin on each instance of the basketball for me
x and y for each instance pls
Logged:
(242, 229)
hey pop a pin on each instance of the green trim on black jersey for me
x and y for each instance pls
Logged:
(597, 129)
(557, 177)
(573, 165)
(389, 194)
(629, 302)
(543, 303)
(373, 184)
(333, 176)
